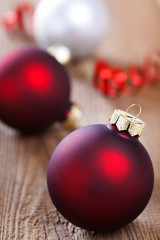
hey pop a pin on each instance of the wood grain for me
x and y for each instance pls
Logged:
(26, 211)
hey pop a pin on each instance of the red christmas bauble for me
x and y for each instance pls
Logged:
(34, 89)
(100, 179)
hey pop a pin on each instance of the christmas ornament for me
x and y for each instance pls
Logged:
(112, 80)
(34, 90)
(76, 24)
(100, 177)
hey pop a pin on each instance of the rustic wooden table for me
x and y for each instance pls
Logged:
(26, 211)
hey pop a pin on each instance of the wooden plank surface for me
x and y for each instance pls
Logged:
(26, 211)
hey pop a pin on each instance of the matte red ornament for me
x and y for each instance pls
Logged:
(34, 89)
(100, 178)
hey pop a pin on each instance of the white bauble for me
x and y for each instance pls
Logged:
(158, 1)
(76, 24)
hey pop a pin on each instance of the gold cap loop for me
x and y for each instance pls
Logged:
(135, 104)
(127, 121)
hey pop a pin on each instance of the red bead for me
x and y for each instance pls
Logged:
(110, 81)
(24, 10)
(10, 21)
(20, 19)
(127, 89)
(136, 75)
(111, 92)
(103, 79)
(106, 73)
(99, 65)
(119, 77)
(100, 179)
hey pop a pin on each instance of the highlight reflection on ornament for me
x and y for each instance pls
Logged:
(76, 24)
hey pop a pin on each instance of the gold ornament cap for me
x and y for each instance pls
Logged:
(75, 114)
(126, 121)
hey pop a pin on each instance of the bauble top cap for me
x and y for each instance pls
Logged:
(126, 121)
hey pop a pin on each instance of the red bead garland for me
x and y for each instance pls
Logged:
(19, 20)
(112, 81)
